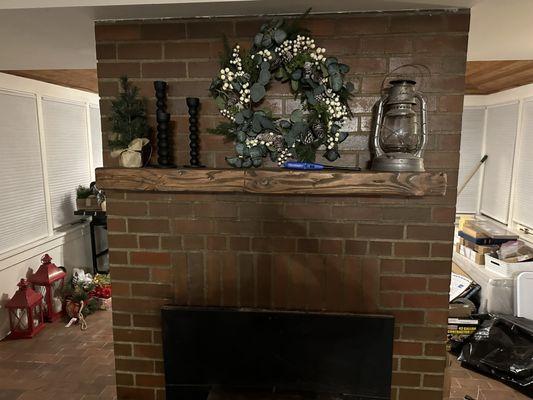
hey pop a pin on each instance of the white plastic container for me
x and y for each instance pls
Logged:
(524, 295)
(508, 270)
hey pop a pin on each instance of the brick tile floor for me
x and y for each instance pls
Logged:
(61, 363)
(80, 365)
(466, 382)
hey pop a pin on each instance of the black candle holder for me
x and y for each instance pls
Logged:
(164, 149)
(194, 139)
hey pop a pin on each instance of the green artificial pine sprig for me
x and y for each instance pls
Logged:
(128, 116)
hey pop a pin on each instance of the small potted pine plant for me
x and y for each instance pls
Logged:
(83, 194)
(130, 141)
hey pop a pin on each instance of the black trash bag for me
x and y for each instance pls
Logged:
(502, 347)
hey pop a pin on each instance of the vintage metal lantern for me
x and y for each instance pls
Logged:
(400, 132)
(48, 280)
(25, 312)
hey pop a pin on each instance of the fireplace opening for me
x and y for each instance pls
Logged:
(212, 351)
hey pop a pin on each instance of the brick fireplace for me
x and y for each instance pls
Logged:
(365, 254)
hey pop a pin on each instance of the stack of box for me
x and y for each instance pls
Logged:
(480, 237)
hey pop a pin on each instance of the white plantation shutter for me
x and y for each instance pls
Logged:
(523, 201)
(96, 136)
(67, 155)
(471, 153)
(22, 208)
(502, 122)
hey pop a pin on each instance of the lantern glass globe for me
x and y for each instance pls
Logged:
(400, 130)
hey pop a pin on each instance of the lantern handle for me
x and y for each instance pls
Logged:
(377, 127)
(423, 122)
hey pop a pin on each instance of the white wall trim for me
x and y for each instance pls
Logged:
(59, 238)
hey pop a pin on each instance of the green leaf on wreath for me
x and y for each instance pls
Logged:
(333, 69)
(256, 125)
(331, 60)
(297, 116)
(279, 36)
(324, 70)
(336, 82)
(350, 87)
(310, 98)
(266, 123)
(256, 162)
(239, 118)
(234, 161)
(296, 75)
(344, 69)
(219, 101)
(247, 113)
(257, 92)
(239, 148)
(284, 124)
(264, 77)
(331, 155)
(342, 136)
(247, 163)
(267, 41)
(241, 136)
(258, 39)
(255, 152)
(295, 85)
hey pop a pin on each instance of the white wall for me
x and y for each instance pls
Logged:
(501, 30)
(69, 246)
(47, 39)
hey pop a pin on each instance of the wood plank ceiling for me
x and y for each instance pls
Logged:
(485, 77)
(83, 79)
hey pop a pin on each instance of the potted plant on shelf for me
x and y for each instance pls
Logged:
(83, 194)
(130, 141)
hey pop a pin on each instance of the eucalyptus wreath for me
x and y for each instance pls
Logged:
(285, 52)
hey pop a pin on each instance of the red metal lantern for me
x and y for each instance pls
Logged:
(48, 280)
(25, 312)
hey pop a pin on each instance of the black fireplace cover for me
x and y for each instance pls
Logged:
(344, 354)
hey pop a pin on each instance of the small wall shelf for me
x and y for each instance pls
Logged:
(270, 181)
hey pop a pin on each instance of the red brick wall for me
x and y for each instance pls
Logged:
(387, 255)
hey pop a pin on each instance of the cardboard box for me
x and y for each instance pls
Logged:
(471, 254)
(478, 248)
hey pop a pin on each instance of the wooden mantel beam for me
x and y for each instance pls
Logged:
(265, 181)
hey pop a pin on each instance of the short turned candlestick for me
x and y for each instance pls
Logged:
(193, 103)
(164, 151)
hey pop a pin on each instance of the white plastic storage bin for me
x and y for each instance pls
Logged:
(508, 270)
(524, 295)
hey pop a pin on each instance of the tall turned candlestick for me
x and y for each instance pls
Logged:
(193, 103)
(164, 151)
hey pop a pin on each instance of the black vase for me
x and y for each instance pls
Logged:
(164, 148)
(194, 137)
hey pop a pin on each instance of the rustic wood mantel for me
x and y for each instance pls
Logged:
(267, 181)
